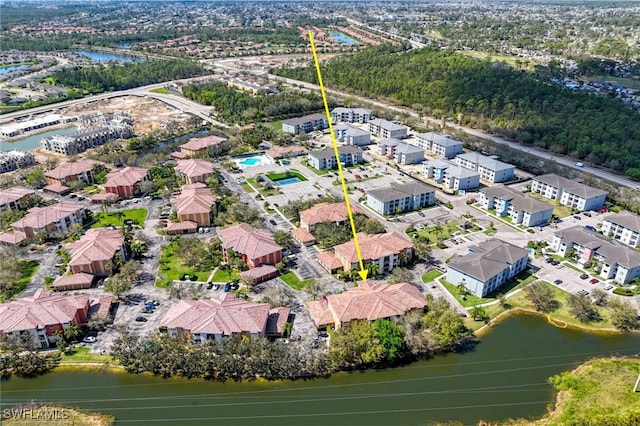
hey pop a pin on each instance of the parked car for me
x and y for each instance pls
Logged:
(273, 222)
(235, 286)
(584, 276)
(587, 214)
(141, 319)
(590, 228)
(608, 287)
(147, 311)
(557, 282)
(420, 214)
(583, 292)
(209, 285)
(559, 266)
(216, 287)
(90, 339)
(227, 287)
(594, 281)
(151, 302)
(576, 217)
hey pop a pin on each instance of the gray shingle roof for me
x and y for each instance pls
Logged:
(488, 259)
(626, 219)
(571, 186)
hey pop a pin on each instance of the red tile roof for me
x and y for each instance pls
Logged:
(367, 301)
(194, 167)
(78, 280)
(75, 168)
(250, 241)
(373, 247)
(260, 272)
(187, 225)
(12, 237)
(329, 261)
(41, 310)
(277, 319)
(57, 188)
(282, 151)
(302, 235)
(193, 199)
(327, 212)
(104, 196)
(39, 217)
(128, 176)
(15, 193)
(196, 144)
(224, 315)
(96, 245)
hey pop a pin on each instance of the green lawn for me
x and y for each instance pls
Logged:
(221, 276)
(470, 300)
(313, 169)
(171, 266)
(117, 218)
(284, 175)
(442, 231)
(431, 275)
(27, 269)
(75, 355)
(161, 90)
(247, 187)
(275, 125)
(522, 279)
(294, 282)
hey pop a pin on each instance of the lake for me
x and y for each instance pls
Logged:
(33, 142)
(7, 70)
(504, 376)
(107, 57)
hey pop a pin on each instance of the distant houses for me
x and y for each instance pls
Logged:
(439, 145)
(615, 260)
(367, 301)
(487, 266)
(305, 124)
(198, 146)
(350, 115)
(400, 198)
(325, 159)
(490, 169)
(570, 193)
(521, 209)
(15, 159)
(450, 176)
(387, 129)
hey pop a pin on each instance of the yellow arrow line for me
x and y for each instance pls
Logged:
(363, 272)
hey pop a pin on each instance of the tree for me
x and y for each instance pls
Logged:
(422, 248)
(479, 313)
(284, 239)
(117, 285)
(374, 269)
(600, 297)
(314, 288)
(71, 332)
(391, 337)
(401, 275)
(36, 178)
(444, 323)
(581, 307)
(623, 315)
(541, 297)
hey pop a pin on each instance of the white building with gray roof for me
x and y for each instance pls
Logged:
(450, 176)
(623, 227)
(617, 261)
(569, 192)
(387, 129)
(399, 198)
(487, 266)
(439, 145)
(522, 210)
(350, 115)
(401, 152)
(351, 135)
(326, 158)
(490, 169)
(305, 124)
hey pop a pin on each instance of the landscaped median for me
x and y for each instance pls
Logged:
(118, 218)
(294, 282)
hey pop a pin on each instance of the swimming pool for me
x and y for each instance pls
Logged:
(251, 161)
(288, 181)
(341, 38)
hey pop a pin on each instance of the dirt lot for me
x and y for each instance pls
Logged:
(148, 114)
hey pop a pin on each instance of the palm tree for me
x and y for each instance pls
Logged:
(374, 269)
(478, 313)
(71, 332)
(462, 288)
(119, 215)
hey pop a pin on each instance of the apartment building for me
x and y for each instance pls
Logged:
(521, 209)
(16, 198)
(255, 246)
(487, 266)
(439, 145)
(194, 170)
(68, 172)
(623, 227)
(616, 261)
(450, 176)
(401, 152)
(195, 203)
(568, 192)
(15, 159)
(351, 135)
(387, 129)
(126, 182)
(94, 253)
(326, 159)
(350, 115)
(305, 124)
(400, 198)
(490, 169)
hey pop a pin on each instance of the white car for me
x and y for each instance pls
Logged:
(608, 287)
(90, 339)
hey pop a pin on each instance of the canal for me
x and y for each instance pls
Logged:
(33, 142)
(504, 376)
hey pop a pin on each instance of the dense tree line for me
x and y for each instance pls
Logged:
(492, 97)
(20, 356)
(239, 107)
(111, 77)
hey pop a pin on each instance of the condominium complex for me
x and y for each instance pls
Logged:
(15, 159)
(450, 176)
(326, 159)
(519, 208)
(350, 115)
(568, 192)
(623, 227)
(305, 124)
(399, 198)
(439, 145)
(387, 129)
(401, 152)
(490, 169)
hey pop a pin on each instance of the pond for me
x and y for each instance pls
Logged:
(33, 142)
(11, 68)
(341, 38)
(505, 375)
(107, 57)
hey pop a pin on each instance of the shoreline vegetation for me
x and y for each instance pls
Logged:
(34, 414)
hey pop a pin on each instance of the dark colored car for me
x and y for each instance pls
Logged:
(209, 285)
(557, 282)
(584, 276)
(227, 287)
(141, 319)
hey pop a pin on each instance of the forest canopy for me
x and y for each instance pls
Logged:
(493, 97)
